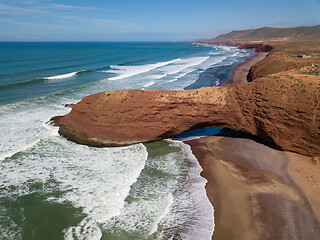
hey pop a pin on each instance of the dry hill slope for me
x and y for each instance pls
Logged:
(267, 34)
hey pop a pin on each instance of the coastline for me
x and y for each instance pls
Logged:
(241, 71)
(258, 192)
(246, 182)
(250, 185)
(254, 190)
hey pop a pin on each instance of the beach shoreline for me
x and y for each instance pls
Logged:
(240, 72)
(254, 191)
(254, 196)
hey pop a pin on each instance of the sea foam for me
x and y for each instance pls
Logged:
(95, 180)
(203, 218)
(169, 184)
(24, 127)
(62, 76)
(214, 53)
(129, 71)
(182, 64)
(149, 84)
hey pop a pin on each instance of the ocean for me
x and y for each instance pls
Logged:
(51, 188)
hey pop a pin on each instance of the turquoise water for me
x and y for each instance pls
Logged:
(51, 188)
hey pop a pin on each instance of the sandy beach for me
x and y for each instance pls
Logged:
(259, 192)
(240, 72)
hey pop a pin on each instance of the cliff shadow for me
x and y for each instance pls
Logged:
(226, 132)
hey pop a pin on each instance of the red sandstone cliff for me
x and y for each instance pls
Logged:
(283, 110)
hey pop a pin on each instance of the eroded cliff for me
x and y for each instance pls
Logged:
(283, 109)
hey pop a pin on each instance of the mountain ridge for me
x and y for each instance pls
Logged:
(301, 33)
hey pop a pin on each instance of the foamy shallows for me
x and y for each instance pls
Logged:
(51, 186)
(169, 183)
(149, 84)
(138, 191)
(128, 71)
(183, 70)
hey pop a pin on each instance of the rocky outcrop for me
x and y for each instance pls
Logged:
(281, 109)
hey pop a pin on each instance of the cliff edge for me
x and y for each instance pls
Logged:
(283, 109)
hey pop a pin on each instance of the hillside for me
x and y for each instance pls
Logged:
(304, 33)
(285, 57)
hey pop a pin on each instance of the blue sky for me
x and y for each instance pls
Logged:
(146, 20)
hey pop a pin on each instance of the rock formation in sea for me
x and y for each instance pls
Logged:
(282, 109)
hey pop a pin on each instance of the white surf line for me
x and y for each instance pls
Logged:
(161, 216)
(19, 149)
(198, 61)
(53, 131)
(129, 71)
(181, 75)
(172, 80)
(214, 53)
(149, 84)
(201, 199)
(158, 76)
(182, 65)
(62, 76)
(99, 198)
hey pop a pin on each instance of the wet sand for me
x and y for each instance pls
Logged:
(241, 71)
(259, 192)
